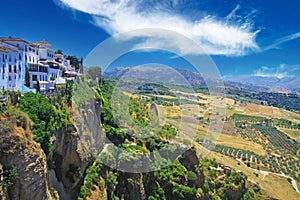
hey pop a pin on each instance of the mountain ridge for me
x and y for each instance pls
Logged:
(290, 83)
(195, 78)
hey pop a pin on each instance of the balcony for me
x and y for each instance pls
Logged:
(36, 68)
(33, 69)
(54, 66)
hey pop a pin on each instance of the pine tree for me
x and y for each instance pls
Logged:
(27, 78)
(38, 89)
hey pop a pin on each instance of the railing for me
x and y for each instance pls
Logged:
(33, 69)
(38, 70)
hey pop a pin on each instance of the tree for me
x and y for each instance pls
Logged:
(111, 183)
(27, 78)
(94, 72)
(74, 61)
(45, 119)
(37, 87)
(59, 51)
(192, 179)
(69, 91)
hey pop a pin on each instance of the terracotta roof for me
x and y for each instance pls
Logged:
(43, 43)
(4, 50)
(14, 39)
(11, 45)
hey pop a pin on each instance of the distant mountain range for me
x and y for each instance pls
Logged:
(290, 83)
(253, 83)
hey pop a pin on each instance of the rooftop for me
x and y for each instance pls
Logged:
(43, 44)
(13, 39)
(4, 50)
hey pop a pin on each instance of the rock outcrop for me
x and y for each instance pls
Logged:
(190, 161)
(19, 150)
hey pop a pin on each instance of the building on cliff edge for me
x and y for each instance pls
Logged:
(43, 64)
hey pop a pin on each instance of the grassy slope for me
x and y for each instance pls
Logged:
(272, 185)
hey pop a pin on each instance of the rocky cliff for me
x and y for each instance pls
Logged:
(70, 160)
(18, 150)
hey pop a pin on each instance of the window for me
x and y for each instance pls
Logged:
(9, 68)
(34, 77)
(15, 69)
(9, 78)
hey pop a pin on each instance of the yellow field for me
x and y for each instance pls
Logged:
(267, 111)
(272, 185)
(238, 142)
(193, 131)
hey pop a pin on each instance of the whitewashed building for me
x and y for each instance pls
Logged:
(44, 66)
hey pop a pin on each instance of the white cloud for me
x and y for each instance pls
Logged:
(281, 71)
(228, 36)
(283, 40)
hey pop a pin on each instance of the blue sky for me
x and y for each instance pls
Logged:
(242, 37)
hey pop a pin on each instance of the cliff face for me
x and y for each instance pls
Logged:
(70, 160)
(130, 186)
(58, 176)
(19, 150)
(3, 190)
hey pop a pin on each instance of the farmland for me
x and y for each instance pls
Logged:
(260, 136)
(278, 139)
